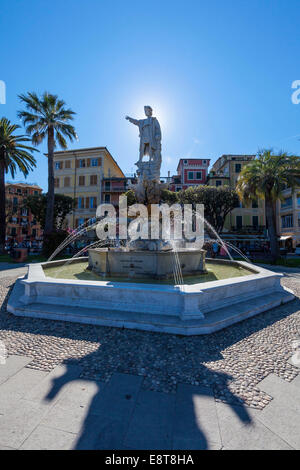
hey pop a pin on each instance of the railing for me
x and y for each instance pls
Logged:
(249, 228)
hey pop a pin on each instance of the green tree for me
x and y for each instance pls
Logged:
(218, 202)
(46, 117)
(14, 155)
(266, 177)
(63, 205)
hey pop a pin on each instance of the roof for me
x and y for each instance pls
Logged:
(25, 185)
(87, 149)
(200, 158)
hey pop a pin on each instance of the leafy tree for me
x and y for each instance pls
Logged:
(218, 202)
(169, 197)
(63, 205)
(46, 117)
(14, 155)
(266, 177)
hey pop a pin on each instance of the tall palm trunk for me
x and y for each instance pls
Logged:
(50, 201)
(2, 204)
(270, 216)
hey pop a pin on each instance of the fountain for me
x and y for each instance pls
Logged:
(147, 282)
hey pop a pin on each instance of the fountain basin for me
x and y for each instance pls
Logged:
(145, 264)
(186, 309)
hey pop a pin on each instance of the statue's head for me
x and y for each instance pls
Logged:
(148, 111)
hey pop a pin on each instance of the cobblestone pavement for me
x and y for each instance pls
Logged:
(232, 361)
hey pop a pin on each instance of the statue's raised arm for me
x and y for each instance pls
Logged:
(132, 120)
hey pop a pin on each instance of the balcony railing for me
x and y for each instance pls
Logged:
(114, 189)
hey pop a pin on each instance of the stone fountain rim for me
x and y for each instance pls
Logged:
(36, 274)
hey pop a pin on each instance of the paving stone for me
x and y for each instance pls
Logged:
(277, 386)
(52, 387)
(17, 386)
(110, 413)
(195, 421)
(256, 437)
(12, 365)
(80, 392)
(45, 438)
(282, 416)
(151, 423)
(232, 420)
(17, 424)
(66, 419)
(73, 407)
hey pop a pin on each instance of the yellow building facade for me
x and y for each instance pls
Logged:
(79, 174)
(226, 171)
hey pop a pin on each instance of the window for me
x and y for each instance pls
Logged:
(93, 202)
(68, 164)
(56, 182)
(13, 231)
(15, 201)
(58, 165)
(24, 211)
(33, 233)
(80, 203)
(190, 175)
(107, 198)
(254, 204)
(288, 202)
(199, 175)
(81, 180)
(204, 162)
(239, 221)
(218, 183)
(107, 185)
(36, 193)
(255, 221)
(238, 167)
(93, 180)
(287, 221)
(185, 162)
(95, 162)
(82, 163)
(66, 181)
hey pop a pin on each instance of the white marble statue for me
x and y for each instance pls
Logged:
(150, 145)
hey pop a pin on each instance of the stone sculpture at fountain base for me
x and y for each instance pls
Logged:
(145, 264)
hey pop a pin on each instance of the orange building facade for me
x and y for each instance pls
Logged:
(21, 226)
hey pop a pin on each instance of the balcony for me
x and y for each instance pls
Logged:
(114, 189)
(249, 229)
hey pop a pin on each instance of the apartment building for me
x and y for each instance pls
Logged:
(80, 174)
(225, 172)
(288, 218)
(190, 172)
(20, 224)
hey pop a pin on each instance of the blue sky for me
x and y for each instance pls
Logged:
(217, 73)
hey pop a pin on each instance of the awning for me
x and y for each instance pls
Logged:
(285, 237)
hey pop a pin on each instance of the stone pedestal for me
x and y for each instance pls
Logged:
(145, 264)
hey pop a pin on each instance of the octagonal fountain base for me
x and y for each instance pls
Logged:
(186, 309)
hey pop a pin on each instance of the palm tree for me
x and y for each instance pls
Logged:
(14, 155)
(47, 117)
(266, 177)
